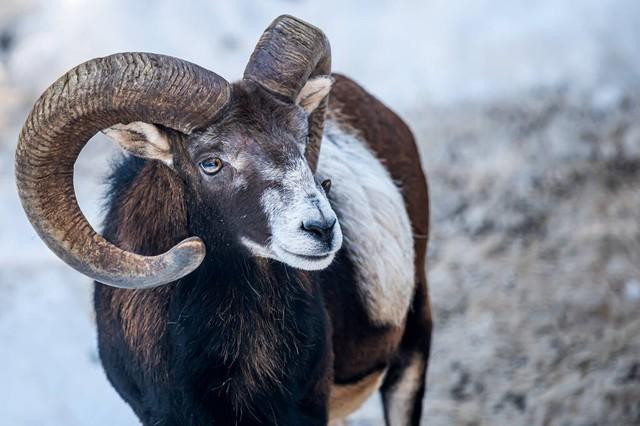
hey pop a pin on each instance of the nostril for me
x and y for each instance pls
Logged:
(313, 226)
(321, 228)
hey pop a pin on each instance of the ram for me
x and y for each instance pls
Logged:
(309, 197)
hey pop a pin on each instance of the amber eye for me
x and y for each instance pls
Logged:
(211, 165)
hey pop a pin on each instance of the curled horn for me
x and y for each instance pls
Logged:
(121, 88)
(289, 52)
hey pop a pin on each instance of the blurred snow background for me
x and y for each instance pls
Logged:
(528, 117)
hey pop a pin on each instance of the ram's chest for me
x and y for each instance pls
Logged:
(375, 224)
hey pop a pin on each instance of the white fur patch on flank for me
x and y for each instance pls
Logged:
(400, 399)
(375, 224)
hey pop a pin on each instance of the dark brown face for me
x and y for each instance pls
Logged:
(251, 167)
(250, 174)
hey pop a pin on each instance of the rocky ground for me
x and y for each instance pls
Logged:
(534, 265)
(535, 260)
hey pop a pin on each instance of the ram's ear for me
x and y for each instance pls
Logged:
(142, 140)
(313, 92)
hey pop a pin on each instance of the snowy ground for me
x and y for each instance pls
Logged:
(528, 117)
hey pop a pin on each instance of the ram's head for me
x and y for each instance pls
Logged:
(248, 151)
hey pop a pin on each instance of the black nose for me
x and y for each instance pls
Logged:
(320, 228)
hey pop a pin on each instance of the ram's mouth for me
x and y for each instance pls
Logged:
(308, 257)
(308, 262)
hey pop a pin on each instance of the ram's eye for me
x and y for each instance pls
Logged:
(211, 165)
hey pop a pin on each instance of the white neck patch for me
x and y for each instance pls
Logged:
(375, 224)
